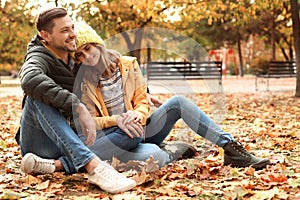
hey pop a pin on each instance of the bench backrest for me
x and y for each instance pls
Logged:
(282, 69)
(184, 70)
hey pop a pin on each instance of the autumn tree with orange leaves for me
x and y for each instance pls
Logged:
(210, 23)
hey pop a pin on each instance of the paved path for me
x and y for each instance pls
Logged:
(230, 85)
(10, 86)
(246, 84)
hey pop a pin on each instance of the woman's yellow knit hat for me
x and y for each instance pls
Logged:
(86, 34)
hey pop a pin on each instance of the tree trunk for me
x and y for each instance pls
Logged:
(148, 53)
(139, 33)
(291, 52)
(134, 48)
(240, 58)
(296, 34)
(284, 54)
(273, 56)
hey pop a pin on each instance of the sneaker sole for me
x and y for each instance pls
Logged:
(256, 166)
(261, 164)
(115, 191)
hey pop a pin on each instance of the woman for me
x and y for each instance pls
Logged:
(114, 91)
(123, 105)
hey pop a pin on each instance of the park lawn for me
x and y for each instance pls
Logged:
(268, 124)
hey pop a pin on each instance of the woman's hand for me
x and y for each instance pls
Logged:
(153, 100)
(131, 116)
(130, 127)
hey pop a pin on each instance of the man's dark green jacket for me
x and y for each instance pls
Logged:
(46, 78)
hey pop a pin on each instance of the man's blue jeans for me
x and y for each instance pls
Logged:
(46, 133)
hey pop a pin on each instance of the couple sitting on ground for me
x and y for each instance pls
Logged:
(110, 104)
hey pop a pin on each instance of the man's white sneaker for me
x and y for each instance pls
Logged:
(110, 180)
(33, 164)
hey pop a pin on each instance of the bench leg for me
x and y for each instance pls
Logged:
(220, 90)
(262, 81)
(256, 86)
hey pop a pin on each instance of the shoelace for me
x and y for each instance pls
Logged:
(240, 149)
(110, 174)
(42, 166)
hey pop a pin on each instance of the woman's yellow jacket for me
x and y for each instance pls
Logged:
(135, 93)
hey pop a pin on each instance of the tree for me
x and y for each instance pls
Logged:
(220, 22)
(129, 17)
(235, 21)
(272, 23)
(296, 33)
(17, 27)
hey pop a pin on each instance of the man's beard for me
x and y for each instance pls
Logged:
(65, 48)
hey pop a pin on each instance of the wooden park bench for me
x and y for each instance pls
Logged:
(184, 70)
(276, 69)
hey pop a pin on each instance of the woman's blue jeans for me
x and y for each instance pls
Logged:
(178, 107)
(114, 142)
(46, 133)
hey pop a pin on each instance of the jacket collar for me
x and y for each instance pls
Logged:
(50, 49)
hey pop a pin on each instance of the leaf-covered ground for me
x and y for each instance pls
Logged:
(268, 124)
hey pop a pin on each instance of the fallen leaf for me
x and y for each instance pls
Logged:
(151, 165)
(43, 185)
(29, 179)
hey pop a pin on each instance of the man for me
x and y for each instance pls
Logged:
(47, 79)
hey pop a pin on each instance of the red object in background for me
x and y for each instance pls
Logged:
(223, 56)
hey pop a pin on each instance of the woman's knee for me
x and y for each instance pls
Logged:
(177, 100)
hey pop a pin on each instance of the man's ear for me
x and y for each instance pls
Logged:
(45, 35)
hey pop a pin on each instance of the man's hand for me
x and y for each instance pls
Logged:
(153, 100)
(87, 124)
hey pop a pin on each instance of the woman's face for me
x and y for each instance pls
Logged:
(88, 54)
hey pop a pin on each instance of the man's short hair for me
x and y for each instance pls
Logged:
(45, 19)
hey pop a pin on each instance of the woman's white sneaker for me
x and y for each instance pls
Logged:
(32, 164)
(110, 180)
